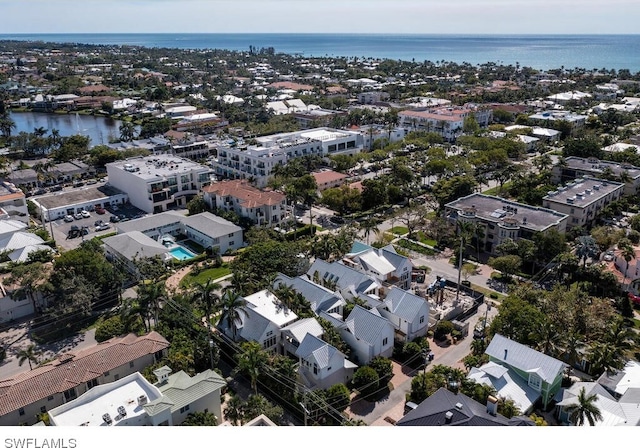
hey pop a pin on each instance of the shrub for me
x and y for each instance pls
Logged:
(443, 328)
(383, 367)
(109, 328)
(338, 396)
(366, 380)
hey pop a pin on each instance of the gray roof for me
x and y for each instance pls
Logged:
(319, 297)
(135, 244)
(321, 351)
(344, 276)
(524, 358)
(495, 209)
(366, 325)
(150, 222)
(595, 166)
(403, 304)
(302, 327)
(464, 412)
(211, 225)
(77, 196)
(253, 325)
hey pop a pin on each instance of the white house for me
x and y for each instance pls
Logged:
(385, 264)
(321, 365)
(407, 312)
(367, 333)
(319, 297)
(262, 321)
(349, 282)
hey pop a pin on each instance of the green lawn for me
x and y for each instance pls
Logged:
(487, 292)
(206, 274)
(496, 190)
(425, 240)
(399, 230)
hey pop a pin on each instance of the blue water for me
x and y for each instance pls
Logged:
(99, 129)
(180, 253)
(540, 52)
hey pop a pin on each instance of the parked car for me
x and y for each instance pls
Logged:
(68, 218)
(99, 222)
(78, 216)
(103, 226)
(114, 218)
(608, 256)
(85, 214)
(100, 210)
(56, 188)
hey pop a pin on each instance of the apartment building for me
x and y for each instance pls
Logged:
(582, 199)
(26, 396)
(156, 183)
(257, 162)
(262, 207)
(446, 121)
(574, 167)
(501, 219)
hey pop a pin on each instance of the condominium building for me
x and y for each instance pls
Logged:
(446, 121)
(157, 183)
(574, 167)
(501, 219)
(257, 162)
(262, 207)
(583, 199)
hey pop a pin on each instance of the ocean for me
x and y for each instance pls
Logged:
(541, 52)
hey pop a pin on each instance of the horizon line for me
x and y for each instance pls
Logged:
(404, 33)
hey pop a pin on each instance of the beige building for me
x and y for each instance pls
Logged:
(26, 396)
(326, 179)
(582, 199)
(262, 207)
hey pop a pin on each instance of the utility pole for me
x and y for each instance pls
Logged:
(305, 410)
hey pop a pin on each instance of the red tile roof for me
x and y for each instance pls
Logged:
(72, 369)
(326, 176)
(248, 195)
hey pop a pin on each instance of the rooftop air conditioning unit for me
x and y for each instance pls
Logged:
(122, 411)
(142, 400)
(106, 418)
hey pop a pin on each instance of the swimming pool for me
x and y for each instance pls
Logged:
(181, 253)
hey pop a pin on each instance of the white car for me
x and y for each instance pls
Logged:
(608, 256)
(85, 214)
(68, 218)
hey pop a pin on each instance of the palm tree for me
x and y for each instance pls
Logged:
(234, 410)
(368, 226)
(205, 296)
(232, 307)
(465, 230)
(149, 297)
(251, 362)
(7, 125)
(584, 409)
(628, 253)
(29, 355)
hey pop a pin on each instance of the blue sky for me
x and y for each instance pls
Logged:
(319, 16)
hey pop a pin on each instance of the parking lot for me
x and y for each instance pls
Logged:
(61, 228)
